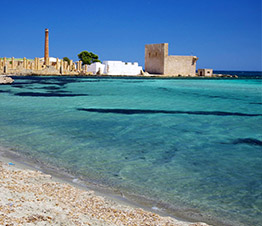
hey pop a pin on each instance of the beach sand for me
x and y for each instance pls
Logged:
(30, 197)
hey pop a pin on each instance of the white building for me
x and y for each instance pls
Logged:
(205, 72)
(115, 68)
(121, 68)
(96, 68)
(51, 60)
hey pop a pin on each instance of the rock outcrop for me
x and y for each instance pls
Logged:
(5, 79)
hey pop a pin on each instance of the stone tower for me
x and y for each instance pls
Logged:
(155, 55)
(157, 61)
(46, 57)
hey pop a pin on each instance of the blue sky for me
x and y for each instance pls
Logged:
(224, 34)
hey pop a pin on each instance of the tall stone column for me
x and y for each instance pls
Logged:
(0, 64)
(38, 64)
(61, 67)
(65, 65)
(13, 63)
(85, 68)
(57, 64)
(78, 67)
(4, 65)
(46, 56)
(35, 63)
(71, 65)
(24, 63)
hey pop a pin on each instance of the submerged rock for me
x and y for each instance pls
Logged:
(5, 79)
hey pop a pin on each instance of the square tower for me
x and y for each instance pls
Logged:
(157, 61)
(155, 57)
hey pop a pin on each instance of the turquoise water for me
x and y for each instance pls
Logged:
(191, 146)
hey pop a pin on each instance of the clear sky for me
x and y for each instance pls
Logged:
(224, 34)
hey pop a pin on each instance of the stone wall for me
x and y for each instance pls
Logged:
(157, 61)
(155, 55)
(9, 66)
(180, 65)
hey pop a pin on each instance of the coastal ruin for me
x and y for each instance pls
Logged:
(55, 66)
(157, 61)
(157, 64)
(37, 66)
(41, 66)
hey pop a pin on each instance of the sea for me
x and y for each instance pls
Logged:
(191, 148)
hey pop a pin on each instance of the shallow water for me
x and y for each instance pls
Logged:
(193, 145)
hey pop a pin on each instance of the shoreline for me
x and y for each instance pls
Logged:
(150, 76)
(7, 159)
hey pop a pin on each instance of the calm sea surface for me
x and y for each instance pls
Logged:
(189, 145)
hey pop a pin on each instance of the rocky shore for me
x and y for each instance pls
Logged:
(29, 197)
(5, 79)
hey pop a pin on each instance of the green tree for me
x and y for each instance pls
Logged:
(88, 57)
(66, 59)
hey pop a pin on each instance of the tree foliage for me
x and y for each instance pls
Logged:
(66, 59)
(88, 57)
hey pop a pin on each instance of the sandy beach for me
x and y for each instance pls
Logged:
(30, 197)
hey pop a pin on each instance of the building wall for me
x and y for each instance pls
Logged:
(96, 68)
(205, 72)
(157, 61)
(154, 57)
(121, 68)
(180, 65)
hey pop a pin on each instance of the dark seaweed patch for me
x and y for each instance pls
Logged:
(59, 91)
(255, 103)
(60, 81)
(17, 86)
(49, 88)
(97, 80)
(140, 111)
(133, 81)
(209, 96)
(164, 89)
(250, 141)
(5, 91)
(50, 94)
